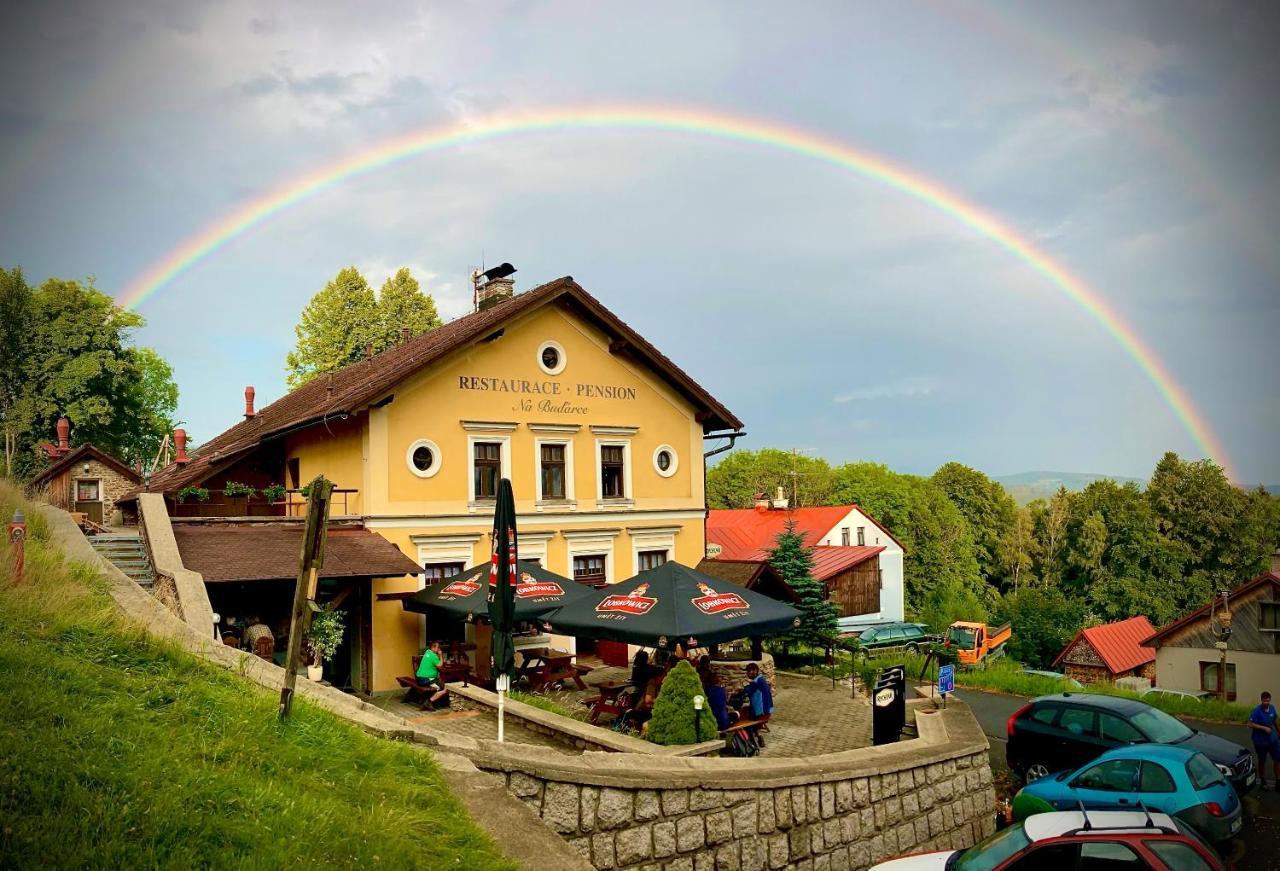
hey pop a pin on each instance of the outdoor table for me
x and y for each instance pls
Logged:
(543, 666)
(607, 702)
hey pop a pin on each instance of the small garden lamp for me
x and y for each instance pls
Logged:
(698, 702)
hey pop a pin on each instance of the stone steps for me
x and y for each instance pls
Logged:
(128, 554)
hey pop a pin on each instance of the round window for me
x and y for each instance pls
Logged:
(665, 461)
(551, 358)
(423, 458)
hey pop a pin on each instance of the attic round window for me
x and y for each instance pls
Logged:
(665, 461)
(551, 358)
(423, 458)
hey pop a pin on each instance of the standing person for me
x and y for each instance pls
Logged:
(1266, 739)
(429, 673)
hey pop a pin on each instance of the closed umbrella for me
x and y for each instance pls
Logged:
(466, 595)
(502, 594)
(674, 604)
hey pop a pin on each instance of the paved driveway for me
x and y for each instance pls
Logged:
(1257, 848)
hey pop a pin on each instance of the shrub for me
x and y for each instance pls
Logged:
(325, 635)
(235, 488)
(273, 492)
(674, 719)
(1044, 621)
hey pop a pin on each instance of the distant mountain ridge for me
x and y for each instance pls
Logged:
(1027, 486)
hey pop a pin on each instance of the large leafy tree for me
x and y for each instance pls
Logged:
(736, 479)
(403, 305)
(16, 300)
(1044, 621)
(334, 328)
(986, 506)
(1018, 548)
(793, 562)
(72, 355)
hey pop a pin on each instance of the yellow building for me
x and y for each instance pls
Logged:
(601, 435)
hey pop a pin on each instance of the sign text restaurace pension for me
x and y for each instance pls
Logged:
(558, 394)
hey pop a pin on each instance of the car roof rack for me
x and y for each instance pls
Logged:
(1150, 823)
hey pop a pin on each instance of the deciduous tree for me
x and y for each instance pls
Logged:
(403, 305)
(334, 328)
(736, 479)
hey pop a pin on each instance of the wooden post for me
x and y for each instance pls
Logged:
(18, 539)
(304, 593)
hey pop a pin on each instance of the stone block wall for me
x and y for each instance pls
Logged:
(733, 672)
(841, 811)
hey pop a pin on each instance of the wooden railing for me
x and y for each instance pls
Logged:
(294, 504)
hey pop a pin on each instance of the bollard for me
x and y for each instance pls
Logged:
(17, 538)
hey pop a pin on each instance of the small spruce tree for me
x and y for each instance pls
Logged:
(794, 563)
(675, 721)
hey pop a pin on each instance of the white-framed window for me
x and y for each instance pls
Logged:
(862, 536)
(590, 553)
(442, 556)
(652, 546)
(665, 460)
(613, 470)
(589, 569)
(423, 458)
(551, 357)
(554, 459)
(489, 461)
(844, 536)
(651, 559)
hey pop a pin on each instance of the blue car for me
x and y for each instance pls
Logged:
(1174, 780)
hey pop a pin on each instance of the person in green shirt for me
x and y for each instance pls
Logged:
(429, 673)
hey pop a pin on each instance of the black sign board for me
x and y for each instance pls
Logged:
(889, 705)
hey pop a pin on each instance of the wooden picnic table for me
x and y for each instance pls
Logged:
(607, 702)
(543, 666)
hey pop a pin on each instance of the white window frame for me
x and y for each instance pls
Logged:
(533, 545)
(628, 497)
(675, 461)
(443, 549)
(559, 348)
(862, 536)
(570, 494)
(504, 467)
(437, 458)
(662, 538)
(588, 544)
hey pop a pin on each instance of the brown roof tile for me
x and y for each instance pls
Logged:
(351, 388)
(269, 552)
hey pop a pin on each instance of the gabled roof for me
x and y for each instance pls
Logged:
(263, 552)
(1156, 638)
(85, 451)
(355, 387)
(1118, 644)
(743, 533)
(831, 561)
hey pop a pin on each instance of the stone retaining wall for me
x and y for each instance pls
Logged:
(733, 672)
(841, 811)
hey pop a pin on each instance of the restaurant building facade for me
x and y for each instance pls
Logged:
(601, 435)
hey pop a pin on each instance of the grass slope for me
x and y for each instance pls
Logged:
(117, 751)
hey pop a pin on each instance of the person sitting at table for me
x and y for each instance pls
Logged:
(759, 704)
(718, 700)
(259, 638)
(641, 671)
(429, 673)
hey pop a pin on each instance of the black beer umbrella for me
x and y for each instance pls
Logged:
(465, 596)
(502, 594)
(674, 604)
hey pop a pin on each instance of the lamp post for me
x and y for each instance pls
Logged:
(17, 538)
(698, 702)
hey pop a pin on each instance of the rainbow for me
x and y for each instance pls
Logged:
(244, 218)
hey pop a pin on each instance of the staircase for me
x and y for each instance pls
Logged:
(128, 555)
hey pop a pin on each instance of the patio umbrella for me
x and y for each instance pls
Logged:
(674, 604)
(466, 595)
(502, 595)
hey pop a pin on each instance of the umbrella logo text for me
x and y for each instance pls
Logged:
(634, 603)
(711, 602)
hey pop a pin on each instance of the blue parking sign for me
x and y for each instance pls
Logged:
(947, 679)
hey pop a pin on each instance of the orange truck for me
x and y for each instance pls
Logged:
(974, 642)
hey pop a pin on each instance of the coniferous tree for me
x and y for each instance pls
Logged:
(402, 304)
(334, 328)
(794, 563)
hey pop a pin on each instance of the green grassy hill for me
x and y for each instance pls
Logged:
(117, 751)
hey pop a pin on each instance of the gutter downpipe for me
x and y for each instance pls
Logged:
(733, 438)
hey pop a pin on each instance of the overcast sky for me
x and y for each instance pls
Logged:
(1136, 143)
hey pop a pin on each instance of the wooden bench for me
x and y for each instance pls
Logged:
(420, 692)
(609, 701)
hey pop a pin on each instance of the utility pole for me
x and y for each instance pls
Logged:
(1220, 625)
(304, 593)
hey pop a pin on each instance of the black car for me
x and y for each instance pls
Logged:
(1053, 733)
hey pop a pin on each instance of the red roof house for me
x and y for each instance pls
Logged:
(1110, 651)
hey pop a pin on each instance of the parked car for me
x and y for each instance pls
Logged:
(909, 635)
(1197, 695)
(1056, 675)
(1178, 781)
(1075, 839)
(1052, 733)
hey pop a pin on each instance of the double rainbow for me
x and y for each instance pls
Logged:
(250, 214)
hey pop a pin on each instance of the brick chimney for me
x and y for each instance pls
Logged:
(493, 285)
(180, 447)
(762, 501)
(780, 502)
(249, 393)
(64, 436)
(1275, 561)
